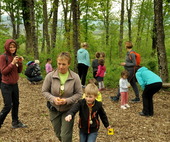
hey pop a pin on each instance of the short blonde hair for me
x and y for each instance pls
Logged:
(65, 55)
(91, 89)
(84, 44)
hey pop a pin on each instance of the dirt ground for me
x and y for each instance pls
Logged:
(127, 124)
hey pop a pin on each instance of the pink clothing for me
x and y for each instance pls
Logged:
(124, 98)
(101, 71)
(48, 68)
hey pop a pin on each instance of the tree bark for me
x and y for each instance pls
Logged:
(34, 33)
(67, 22)
(76, 44)
(121, 28)
(160, 45)
(27, 25)
(129, 11)
(45, 27)
(54, 24)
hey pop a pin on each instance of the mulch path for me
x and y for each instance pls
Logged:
(127, 124)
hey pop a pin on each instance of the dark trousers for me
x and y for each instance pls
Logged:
(36, 79)
(10, 94)
(94, 74)
(82, 71)
(147, 97)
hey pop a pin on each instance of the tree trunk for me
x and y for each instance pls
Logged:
(76, 44)
(107, 22)
(67, 22)
(129, 11)
(86, 22)
(45, 26)
(0, 12)
(139, 25)
(121, 28)
(33, 29)
(54, 23)
(160, 45)
(27, 24)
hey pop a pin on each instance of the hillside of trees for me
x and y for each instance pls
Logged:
(43, 28)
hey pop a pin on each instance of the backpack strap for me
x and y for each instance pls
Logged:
(6, 57)
(130, 54)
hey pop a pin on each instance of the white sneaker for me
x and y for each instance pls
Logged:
(122, 107)
(126, 105)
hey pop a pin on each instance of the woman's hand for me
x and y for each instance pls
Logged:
(59, 101)
(123, 64)
(15, 60)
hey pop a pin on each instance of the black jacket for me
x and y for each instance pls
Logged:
(97, 110)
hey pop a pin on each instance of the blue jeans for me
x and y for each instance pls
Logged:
(88, 137)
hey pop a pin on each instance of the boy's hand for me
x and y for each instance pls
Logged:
(68, 118)
(108, 127)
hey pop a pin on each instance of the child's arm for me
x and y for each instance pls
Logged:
(71, 113)
(103, 117)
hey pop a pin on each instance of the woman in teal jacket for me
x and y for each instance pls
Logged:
(150, 84)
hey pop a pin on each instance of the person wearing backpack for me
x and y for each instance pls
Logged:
(10, 66)
(131, 62)
(33, 72)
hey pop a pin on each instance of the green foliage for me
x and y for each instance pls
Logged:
(93, 31)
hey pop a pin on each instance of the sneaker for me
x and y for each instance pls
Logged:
(122, 107)
(114, 98)
(143, 114)
(135, 100)
(126, 105)
(18, 124)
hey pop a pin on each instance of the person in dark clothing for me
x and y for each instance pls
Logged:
(130, 65)
(33, 72)
(89, 111)
(95, 64)
(150, 84)
(9, 87)
(83, 63)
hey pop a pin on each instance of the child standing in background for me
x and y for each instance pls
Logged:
(48, 66)
(100, 74)
(123, 84)
(89, 111)
(95, 64)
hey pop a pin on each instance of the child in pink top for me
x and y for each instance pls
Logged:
(48, 66)
(100, 74)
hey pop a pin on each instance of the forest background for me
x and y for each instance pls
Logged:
(44, 28)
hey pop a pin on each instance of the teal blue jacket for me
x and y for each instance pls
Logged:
(83, 56)
(145, 77)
